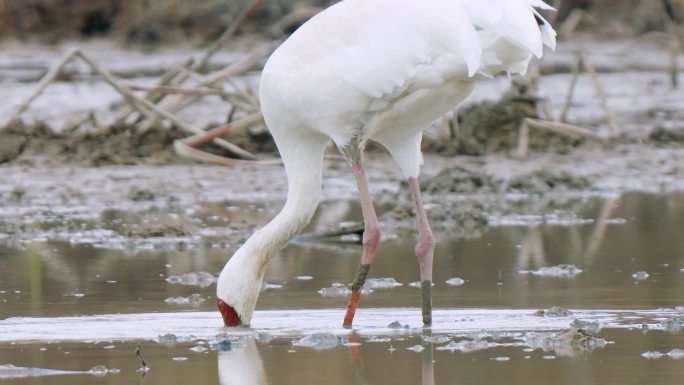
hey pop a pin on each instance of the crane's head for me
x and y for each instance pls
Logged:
(238, 287)
(230, 316)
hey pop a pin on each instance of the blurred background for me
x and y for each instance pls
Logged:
(160, 21)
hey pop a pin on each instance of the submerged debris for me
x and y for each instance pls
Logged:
(590, 326)
(318, 341)
(567, 344)
(201, 279)
(397, 325)
(672, 324)
(554, 311)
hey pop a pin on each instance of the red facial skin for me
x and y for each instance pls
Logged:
(230, 316)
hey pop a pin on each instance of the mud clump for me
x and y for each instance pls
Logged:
(460, 180)
(115, 145)
(543, 181)
(11, 146)
(662, 136)
(458, 219)
(494, 128)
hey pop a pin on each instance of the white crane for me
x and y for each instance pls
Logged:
(379, 70)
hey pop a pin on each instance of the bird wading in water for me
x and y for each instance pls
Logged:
(380, 70)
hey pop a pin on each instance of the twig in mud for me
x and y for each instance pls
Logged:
(565, 129)
(610, 115)
(571, 91)
(51, 75)
(148, 108)
(179, 101)
(244, 94)
(144, 106)
(189, 152)
(178, 90)
(186, 147)
(674, 44)
(247, 9)
(298, 15)
(166, 79)
(144, 368)
(237, 127)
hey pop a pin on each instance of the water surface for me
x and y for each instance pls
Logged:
(610, 240)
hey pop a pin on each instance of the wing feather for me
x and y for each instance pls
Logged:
(381, 47)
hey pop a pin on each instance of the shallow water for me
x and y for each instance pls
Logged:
(608, 239)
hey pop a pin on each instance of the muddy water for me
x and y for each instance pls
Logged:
(609, 239)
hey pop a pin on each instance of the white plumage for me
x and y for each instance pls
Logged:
(379, 70)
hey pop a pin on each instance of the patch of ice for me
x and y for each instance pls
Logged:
(340, 290)
(416, 348)
(201, 279)
(559, 271)
(9, 371)
(467, 346)
(304, 278)
(455, 281)
(180, 358)
(377, 339)
(641, 275)
(267, 286)
(438, 339)
(318, 341)
(382, 283)
(503, 358)
(418, 284)
(198, 349)
(652, 355)
(102, 370)
(194, 299)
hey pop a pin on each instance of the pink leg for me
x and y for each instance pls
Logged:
(424, 250)
(371, 239)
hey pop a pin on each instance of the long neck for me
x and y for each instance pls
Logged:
(304, 174)
(240, 281)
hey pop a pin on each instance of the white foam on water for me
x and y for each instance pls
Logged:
(297, 323)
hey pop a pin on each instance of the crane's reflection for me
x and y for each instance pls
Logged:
(241, 365)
